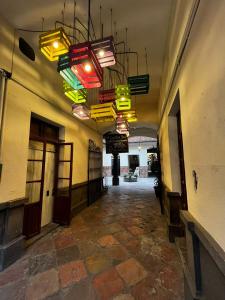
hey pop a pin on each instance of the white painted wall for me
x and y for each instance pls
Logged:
(41, 77)
(201, 82)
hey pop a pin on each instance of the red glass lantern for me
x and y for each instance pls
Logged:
(104, 50)
(122, 126)
(85, 65)
(107, 96)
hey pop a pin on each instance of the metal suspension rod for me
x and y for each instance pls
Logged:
(89, 18)
(69, 26)
(131, 52)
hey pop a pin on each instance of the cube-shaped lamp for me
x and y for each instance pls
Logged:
(123, 101)
(130, 115)
(85, 65)
(77, 96)
(103, 112)
(65, 71)
(54, 43)
(107, 96)
(104, 50)
(139, 84)
(80, 111)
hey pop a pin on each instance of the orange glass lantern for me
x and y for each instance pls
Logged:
(85, 65)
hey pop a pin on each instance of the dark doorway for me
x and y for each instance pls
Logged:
(43, 178)
(181, 163)
(133, 162)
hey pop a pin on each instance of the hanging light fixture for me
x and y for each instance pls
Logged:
(67, 74)
(122, 126)
(123, 101)
(77, 96)
(103, 112)
(129, 115)
(107, 96)
(85, 65)
(104, 50)
(80, 111)
(139, 84)
(54, 43)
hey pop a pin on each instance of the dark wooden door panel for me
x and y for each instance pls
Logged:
(63, 194)
(32, 219)
(181, 162)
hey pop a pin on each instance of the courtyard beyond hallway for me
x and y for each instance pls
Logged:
(115, 249)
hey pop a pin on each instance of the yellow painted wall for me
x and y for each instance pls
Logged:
(201, 82)
(41, 77)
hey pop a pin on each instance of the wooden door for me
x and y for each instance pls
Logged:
(181, 162)
(34, 188)
(49, 179)
(63, 184)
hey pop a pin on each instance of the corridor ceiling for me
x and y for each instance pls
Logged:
(147, 22)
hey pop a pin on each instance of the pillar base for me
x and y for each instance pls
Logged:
(115, 181)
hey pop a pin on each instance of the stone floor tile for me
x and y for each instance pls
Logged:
(124, 297)
(64, 239)
(67, 254)
(98, 263)
(108, 284)
(14, 291)
(114, 227)
(71, 273)
(83, 290)
(108, 241)
(42, 285)
(17, 271)
(135, 230)
(131, 271)
(123, 236)
(41, 263)
(42, 246)
(117, 253)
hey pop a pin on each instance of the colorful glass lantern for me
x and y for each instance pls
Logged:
(54, 43)
(67, 74)
(123, 101)
(104, 50)
(103, 112)
(85, 65)
(107, 96)
(130, 115)
(122, 126)
(80, 111)
(139, 84)
(77, 96)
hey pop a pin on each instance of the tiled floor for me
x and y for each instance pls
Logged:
(115, 249)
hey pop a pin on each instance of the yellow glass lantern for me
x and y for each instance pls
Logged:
(123, 101)
(103, 112)
(77, 96)
(130, 115)
(54, 43)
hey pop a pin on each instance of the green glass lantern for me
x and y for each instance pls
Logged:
(123, 101)
(68, 75)
(77, 96)
(139, 84)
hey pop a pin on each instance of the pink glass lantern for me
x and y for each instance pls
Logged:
(80, 111)
(104, 50)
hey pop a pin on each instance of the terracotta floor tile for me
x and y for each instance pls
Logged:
(131, 271)
(135, 230)
(97, 263)
(124, 297)
(71, 273)
(64, 240)
(107, 241)
(108, 284)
